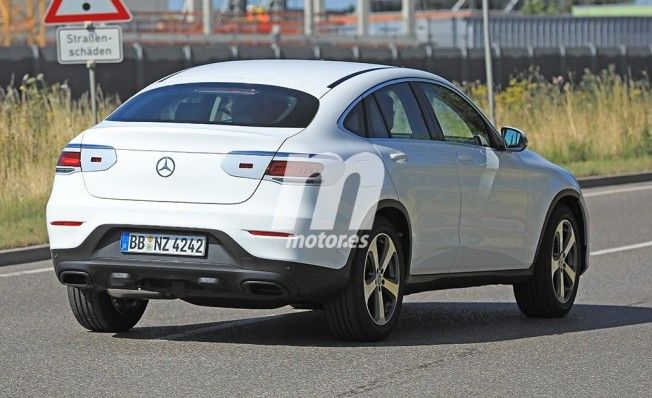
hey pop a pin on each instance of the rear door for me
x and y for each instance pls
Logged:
(494, 196)
(423, 172)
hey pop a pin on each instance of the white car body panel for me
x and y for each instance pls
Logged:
(197, 150)
(493, 214)
(70, 201)
(502, 210)
(545, 181)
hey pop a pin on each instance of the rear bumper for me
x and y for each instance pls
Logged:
(228, 277)
(264, 211)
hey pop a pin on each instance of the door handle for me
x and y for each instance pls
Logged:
(398, 157)
(464, 158)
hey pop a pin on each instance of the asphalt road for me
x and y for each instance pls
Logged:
(447, 343)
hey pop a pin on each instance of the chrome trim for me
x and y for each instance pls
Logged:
(66, 170)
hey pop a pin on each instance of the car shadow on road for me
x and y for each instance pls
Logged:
(420, 324)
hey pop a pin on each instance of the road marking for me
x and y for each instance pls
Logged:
(622, 248)
(27, 272)
(618, 190)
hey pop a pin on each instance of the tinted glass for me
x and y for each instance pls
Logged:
(221, 103)
(354, 121)
(375, 125)
(458, 120)
(401, 112)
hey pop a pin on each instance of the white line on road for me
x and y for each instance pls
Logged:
(27, 272)
(622, 248)
(617, 190)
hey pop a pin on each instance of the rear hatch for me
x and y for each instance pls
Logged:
(170, 162)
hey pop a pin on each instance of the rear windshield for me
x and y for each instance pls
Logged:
(220, 103)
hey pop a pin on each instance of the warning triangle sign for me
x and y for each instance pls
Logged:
(78, 11)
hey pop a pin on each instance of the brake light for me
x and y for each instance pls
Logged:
(294, 168)
(69, 159)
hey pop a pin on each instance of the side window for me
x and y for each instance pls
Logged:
(354, 121)
(401, 112)
(458, 120)
(375, 124)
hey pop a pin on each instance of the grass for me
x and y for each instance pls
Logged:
(600, 124)
(36, 121)
(600, 118)
(609, 167)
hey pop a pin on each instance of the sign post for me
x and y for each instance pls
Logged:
(487, 62)
(90, 65)
(88, 44)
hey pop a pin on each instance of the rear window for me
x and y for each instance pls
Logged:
(220, 103)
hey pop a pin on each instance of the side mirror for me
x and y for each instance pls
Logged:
(514, 139)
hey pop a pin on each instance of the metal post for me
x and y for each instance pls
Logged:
(308, 17)
(41, 25)
(188, 8)
(407, 11)
(320, 9)
(487, 61)
(6, 13)
(90, 65)
(362, 9)
(207, 17)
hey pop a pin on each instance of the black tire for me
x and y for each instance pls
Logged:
(537, 297)
(97, 311)
(348, 315)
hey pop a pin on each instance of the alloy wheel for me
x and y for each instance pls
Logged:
(382, 278)
(564, 261)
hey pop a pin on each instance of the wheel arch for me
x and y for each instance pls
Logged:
(398, 215)
(573, 200)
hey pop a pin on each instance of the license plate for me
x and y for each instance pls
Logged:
(171, 244)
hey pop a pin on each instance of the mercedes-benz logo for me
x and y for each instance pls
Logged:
(165, 167)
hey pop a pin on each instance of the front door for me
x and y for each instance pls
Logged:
(494, 196)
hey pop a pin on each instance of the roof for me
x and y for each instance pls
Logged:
(310, 76)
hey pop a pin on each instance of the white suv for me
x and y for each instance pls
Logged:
(331, 185)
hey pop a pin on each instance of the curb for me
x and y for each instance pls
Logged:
(24, 255)
(42, 252)
(603, 181)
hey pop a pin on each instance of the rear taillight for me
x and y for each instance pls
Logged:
(281, 167)
(69, 159)
(294, 171)
(78, 157)
(69, 162)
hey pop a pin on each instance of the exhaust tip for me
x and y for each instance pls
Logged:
(75, 278)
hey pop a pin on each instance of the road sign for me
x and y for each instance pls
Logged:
(99, 44)
(79, 11)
